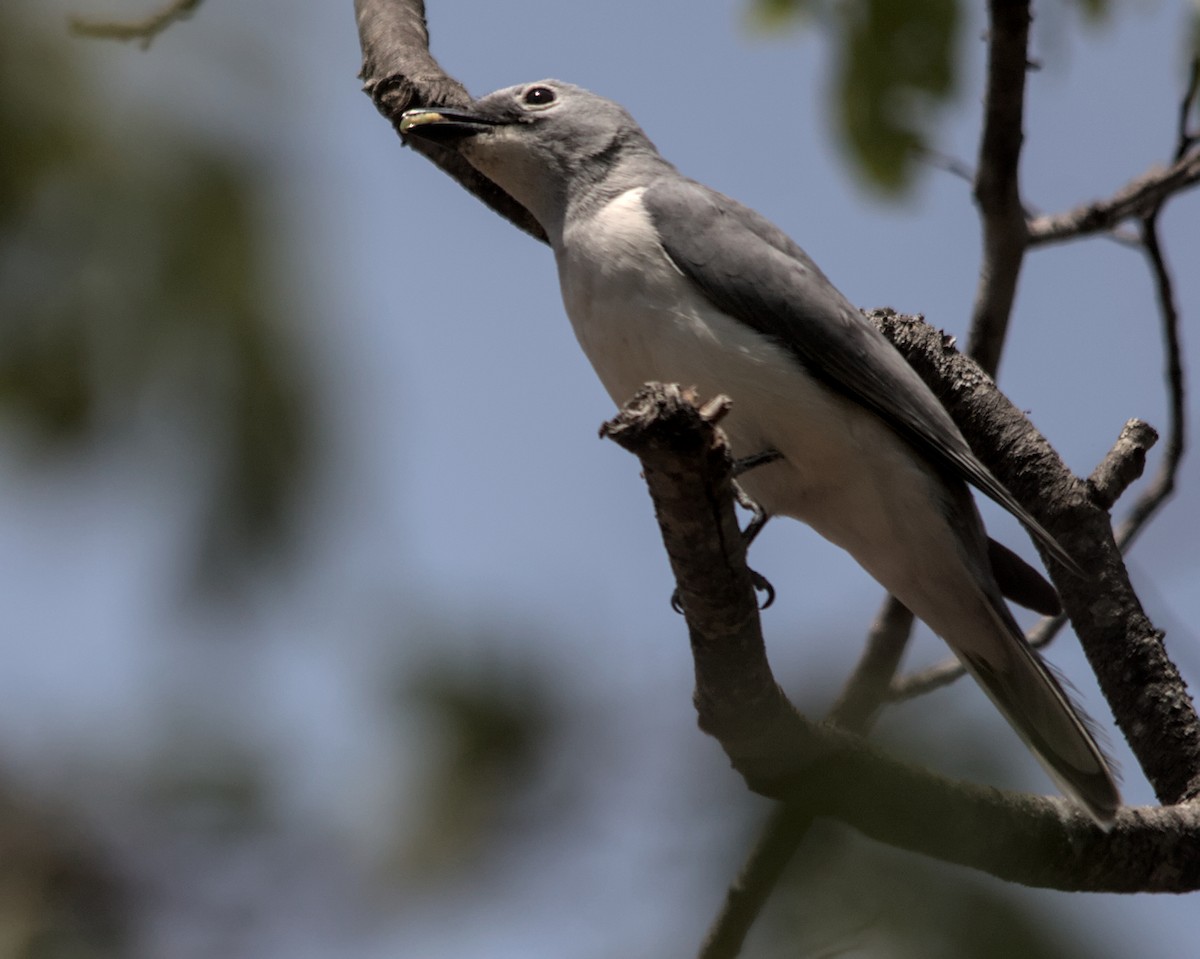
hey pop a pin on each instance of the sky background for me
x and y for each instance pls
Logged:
(462, 510)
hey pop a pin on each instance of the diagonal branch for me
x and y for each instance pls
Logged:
(399, 74)
(1142, 685)
(1121, 467)
(821, 770)
(1126, 461)
(1135, 199)
(855, 711)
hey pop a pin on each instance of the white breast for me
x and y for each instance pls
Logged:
(638, 318)
(845, 472)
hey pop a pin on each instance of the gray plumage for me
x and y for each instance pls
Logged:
(664, 279)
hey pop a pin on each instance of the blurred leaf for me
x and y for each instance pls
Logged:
(1095, 11)
(490, 726)
(777, 14)
(133, 287)
(59, 897)
(209, 786)
(897, 62)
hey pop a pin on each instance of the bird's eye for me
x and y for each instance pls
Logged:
(539, 96)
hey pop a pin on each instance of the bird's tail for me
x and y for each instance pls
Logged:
(1035, 704)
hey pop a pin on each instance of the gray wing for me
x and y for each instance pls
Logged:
(749, 268)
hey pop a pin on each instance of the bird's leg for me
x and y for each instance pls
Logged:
(758, 519)
(755, 460)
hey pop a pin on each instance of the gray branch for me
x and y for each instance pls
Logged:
(399, 73)
(822, 770)
(997, 182)
(1148, 697)
(1135, 199)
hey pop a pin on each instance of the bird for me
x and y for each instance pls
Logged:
(664, 279)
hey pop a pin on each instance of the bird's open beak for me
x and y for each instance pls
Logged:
(444, 125)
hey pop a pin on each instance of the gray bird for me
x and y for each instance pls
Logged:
(664, 279)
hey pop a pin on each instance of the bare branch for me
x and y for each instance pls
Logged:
(997, 184)
(1135, 199)
(687, 468)
(1185, 139)
(1126, 461)
(824, 771)
(1123, 465)
(399, 73)
(777, 843)
(950, 164)
(855, 711)
(144, 30)
(1148, 697)
(1163, 484)
(867, 688)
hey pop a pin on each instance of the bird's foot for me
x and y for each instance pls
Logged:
(761, 585)
(755, 460)
(758, 519)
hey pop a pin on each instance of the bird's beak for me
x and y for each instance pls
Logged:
(444, 125)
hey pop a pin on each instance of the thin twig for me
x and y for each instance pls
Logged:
(1125, 461)
(950, 164)
(962, 170)
(1124, 464)
(1163, 484)
(1135, 199)
(144, 30)
(867, 688)
(777, 843)
(855, 711)
(1184, 137)
(997, 184)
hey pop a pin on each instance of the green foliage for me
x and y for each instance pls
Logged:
(59, 898)
(490, 727)
(132, 291)
(1094, 10)
(896, 63)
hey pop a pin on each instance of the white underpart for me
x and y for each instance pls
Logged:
(844, 472)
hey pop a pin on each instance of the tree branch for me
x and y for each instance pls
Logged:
(821, 770)
(1121, 467)
(854, 711)
(1135, 199)
(997, 184)
(399, 74)
(1163, 484)
(1148, 697)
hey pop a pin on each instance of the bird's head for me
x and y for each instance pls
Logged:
(546, 144)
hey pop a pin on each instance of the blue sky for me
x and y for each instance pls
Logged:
(464, 482)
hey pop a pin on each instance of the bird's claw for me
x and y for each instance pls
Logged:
(758, 519)
(760, 582)
(755, 460)
(763, 585)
